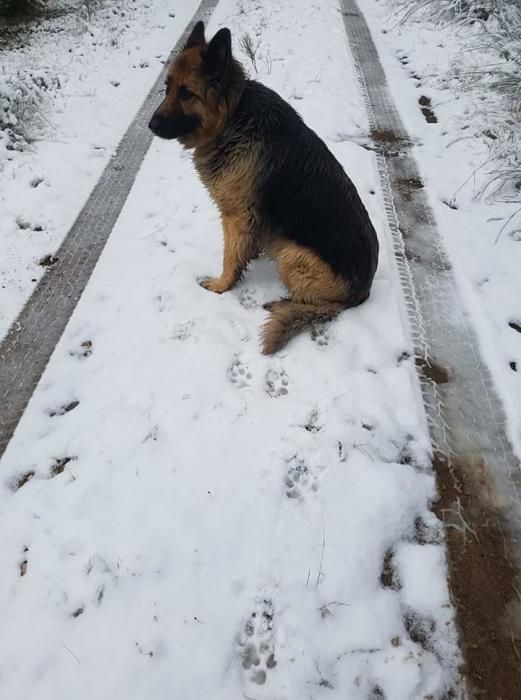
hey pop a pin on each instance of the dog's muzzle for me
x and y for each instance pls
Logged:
(173, 127)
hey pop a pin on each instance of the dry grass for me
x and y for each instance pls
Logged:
(491, 28)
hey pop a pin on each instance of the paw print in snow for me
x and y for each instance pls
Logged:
(248, 298)
(320, 335)
(257, 646)
(276, 383)
(300, 479)
(182, 331)
(84, 350)
(239, 374)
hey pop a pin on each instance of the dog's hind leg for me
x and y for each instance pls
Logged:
(317, 294)
(240, 247)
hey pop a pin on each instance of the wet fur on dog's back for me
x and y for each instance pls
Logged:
(278, 188)
(300, 191)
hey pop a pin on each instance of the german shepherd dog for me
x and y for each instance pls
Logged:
(278, 188)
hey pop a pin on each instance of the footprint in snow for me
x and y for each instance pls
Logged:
(84, 350)
(257, 645)
(248, 298)
(182, 331)
(63, 409)
(300, 479)
(320, 334)
(276, 383)
(239, 374)
(389, 576)
(420, 628)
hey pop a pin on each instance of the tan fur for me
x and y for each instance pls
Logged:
(317, 294)
(309, 279)
(187, 70)
(232, 192)
(288, 318)
(232, 189)
(239, 248)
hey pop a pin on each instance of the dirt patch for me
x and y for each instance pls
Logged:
(484, 580)
(388, 142)
(389, 576)
(407, 186)
(432, 371)
(384, 136)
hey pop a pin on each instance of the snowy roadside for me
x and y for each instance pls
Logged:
(103, 74)
(455, 155)
(203, 521)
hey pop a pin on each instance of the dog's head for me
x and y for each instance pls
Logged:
(203, 85)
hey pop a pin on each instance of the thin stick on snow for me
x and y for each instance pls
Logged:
(322, 553)
(512, 216)
(70, 652)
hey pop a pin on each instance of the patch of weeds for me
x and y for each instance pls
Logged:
(249, 49)
(23, 96)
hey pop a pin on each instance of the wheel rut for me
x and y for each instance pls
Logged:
(478, 474)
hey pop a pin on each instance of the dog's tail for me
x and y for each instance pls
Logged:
(288, 318)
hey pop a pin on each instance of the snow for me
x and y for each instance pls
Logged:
(104, 73)
(223, 517)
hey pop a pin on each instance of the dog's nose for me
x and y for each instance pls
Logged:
(154, 124)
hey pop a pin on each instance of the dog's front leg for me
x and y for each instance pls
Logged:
(239, 249)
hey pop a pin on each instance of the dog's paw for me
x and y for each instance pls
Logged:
(214, 284)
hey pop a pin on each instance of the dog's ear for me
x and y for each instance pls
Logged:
(196, 38)
(218, 53)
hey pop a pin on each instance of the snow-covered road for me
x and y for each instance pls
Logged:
(182, 517)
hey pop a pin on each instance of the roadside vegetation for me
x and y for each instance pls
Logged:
(489, 34)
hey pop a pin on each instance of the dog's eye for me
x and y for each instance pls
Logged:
(184, 93)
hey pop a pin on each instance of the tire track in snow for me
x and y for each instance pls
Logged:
(30, 342)
(478, 473)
